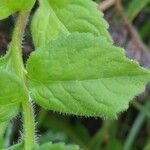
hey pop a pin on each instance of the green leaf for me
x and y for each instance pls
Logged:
(9, 84)
(84, 75)
(67, 15)
(12, 89)
(81, 16)
(11, 94)
(7, 112)
(8, 7)
(59, 146)
(135, 6)
(50, 27)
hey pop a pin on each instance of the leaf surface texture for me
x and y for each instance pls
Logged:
(55, 17)
(81, 16)
(50, 27)
(84, 75)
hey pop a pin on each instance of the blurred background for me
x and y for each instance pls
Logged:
(130, 28)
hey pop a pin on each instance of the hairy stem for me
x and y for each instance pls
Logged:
(17, 62)
(16, 44)
(29, 127)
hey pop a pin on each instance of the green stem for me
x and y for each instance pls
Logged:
(29, 127)
(17, 61)
(16, 45)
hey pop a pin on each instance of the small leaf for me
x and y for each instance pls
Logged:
(12, 89)
(81, 16)
(84, 75)
(50, 27)
(8, 7)
(59, 146)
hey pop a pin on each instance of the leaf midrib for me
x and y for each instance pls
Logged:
(87, 80)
